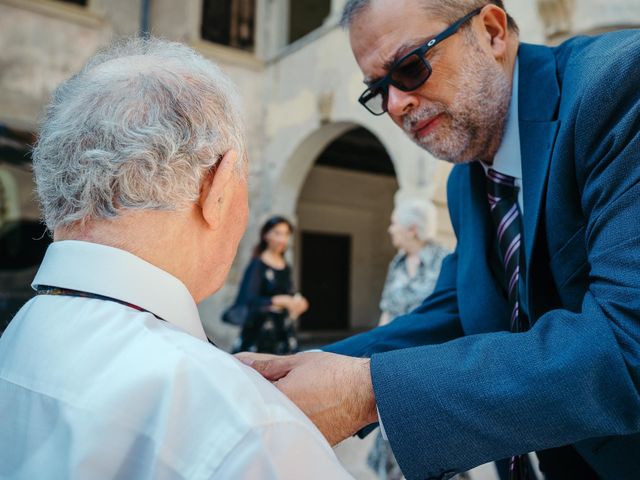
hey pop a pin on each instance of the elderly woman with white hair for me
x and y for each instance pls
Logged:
(107, 372)
(414, 270)
(411, 278)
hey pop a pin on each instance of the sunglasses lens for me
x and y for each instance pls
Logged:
(375, 100)
(411, 73)
(408, 75)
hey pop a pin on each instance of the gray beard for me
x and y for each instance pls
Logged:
(473, 126)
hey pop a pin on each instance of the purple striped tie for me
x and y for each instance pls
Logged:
(503, 201)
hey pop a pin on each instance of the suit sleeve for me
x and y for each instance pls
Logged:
(574, 375)
(436, 320)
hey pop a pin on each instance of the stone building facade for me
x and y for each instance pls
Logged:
(316, 155)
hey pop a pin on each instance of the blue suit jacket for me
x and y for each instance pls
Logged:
(454, 388)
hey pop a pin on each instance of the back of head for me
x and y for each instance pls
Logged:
(137, 128)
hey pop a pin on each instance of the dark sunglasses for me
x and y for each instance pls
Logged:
(408, 73)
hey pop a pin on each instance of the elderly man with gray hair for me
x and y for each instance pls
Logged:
(107, 372)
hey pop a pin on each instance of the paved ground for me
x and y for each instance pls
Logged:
(353, 454)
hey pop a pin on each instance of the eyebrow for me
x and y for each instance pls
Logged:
(405, 48)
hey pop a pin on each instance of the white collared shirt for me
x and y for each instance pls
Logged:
(508, 159)
(96, 389)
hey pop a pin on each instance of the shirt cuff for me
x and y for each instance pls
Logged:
(384, 434)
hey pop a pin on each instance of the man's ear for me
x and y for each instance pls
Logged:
(216, 191)
(496, 30)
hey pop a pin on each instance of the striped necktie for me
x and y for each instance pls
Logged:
(503, 201)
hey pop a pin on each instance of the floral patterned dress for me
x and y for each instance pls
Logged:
(265, 331)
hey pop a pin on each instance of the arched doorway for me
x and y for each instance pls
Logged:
(342, 248)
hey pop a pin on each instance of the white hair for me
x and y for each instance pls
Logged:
(419, 214)
(137, 128)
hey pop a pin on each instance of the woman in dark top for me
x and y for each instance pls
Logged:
(268, 291)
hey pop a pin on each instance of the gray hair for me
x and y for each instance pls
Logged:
(137, 128)
(419, 214)
(447, 10)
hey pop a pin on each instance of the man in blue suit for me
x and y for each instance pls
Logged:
(531, 340)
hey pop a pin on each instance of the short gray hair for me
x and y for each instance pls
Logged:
(419, 214)
(137, 128)
(447, 10)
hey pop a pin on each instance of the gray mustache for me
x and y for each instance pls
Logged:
(410, 120)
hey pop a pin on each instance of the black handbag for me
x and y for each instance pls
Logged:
(236, 315)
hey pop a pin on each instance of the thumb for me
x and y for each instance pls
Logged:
(271, 367)
(249, 358)
(274, 368)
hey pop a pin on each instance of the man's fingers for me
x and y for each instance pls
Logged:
(248, 357)
(271, 367)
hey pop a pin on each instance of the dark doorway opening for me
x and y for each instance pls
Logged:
(325, 277)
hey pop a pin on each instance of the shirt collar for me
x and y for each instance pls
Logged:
(118, 274)
(508, 159)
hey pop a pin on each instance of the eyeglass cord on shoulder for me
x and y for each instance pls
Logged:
(57, 291)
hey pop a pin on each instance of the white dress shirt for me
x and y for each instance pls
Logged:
(94, 389)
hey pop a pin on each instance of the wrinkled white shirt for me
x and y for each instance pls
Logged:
(93, 389)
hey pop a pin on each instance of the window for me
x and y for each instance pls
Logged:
(229, 22)
(305, 16)
(326, 265)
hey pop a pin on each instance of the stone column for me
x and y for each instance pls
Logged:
(557, 16)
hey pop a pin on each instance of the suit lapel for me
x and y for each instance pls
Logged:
(537, 108)
(485, 309)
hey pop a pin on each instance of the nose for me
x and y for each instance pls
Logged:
(400, 103)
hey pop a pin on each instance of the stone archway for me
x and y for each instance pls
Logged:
(340, 190)
(301, 161)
